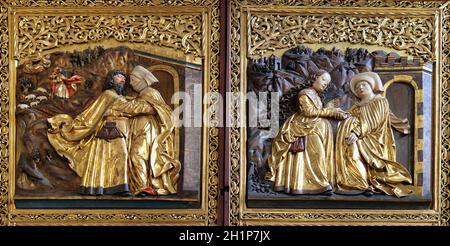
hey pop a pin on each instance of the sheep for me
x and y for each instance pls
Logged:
(41, 98)
(42, 90)
(30, 97)
(23, 106)
(35, 103)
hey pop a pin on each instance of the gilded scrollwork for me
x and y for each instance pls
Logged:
(99, 219)
(40, 33)
(445, 131)
(108, 3)
(4, 117)
(344, 216)
(272, 32)
(350, 3)
(213, 167)
(235, 137)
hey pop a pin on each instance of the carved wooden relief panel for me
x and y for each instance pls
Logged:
(342, 108)
(89, 94)
(334, 113)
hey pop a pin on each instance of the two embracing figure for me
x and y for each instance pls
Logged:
(121, 145)
(306, 160)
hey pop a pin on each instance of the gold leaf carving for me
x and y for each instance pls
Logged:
(272, 32)
(180, 31)
(104, 218)
(101, 3)
(350, 3)
(445, 131)
(213, 167)
(39, 33)
(412, 41)
(343, 216)
(4, 116)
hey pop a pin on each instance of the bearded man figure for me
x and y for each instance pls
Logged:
(95, 142)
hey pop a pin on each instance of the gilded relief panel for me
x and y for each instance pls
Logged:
(340, 113)
(96, 123)
(337, 109)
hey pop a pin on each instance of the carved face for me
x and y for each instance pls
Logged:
(138, 84)
(363, 89)
(322, 82)
(119, 79)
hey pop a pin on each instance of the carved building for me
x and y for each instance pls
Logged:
(409, 82)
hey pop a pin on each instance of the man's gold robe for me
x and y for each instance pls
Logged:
(369, 163)
(101, 164)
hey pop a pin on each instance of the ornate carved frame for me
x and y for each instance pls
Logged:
(420, 28)
(27, 26)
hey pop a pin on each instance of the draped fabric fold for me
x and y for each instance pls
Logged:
(102, 164)
(401, 125)
(369, 163)
(152, 145)
(310, 171)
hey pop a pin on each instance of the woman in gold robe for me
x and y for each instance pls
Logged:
(365, 145)
(154, 169)
(308, 167)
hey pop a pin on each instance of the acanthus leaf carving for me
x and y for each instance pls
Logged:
(445, 130)
(273, 32)
(108, 3)
(4, 116)
(343, 216)
(350, 3)
(103, 218)
(40, 33)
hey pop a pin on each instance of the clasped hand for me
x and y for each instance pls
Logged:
(340, 114)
